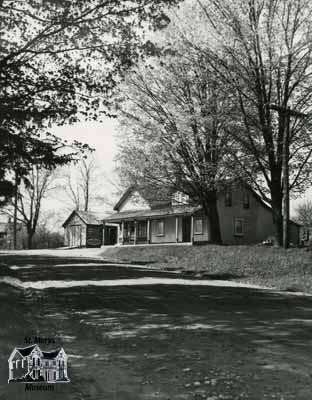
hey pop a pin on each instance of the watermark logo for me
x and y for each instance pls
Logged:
(31, 365)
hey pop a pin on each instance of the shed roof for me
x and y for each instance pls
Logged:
(154, 213)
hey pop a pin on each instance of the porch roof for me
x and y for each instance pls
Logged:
(159, 213)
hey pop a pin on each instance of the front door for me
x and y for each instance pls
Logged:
(186, 229)
(129, 232)
(76, 236)
(110, 235)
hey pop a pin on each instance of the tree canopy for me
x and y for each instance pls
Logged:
(59, 61)
(263, 49)
(176, 119)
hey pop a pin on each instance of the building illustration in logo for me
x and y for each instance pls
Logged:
(31, 364)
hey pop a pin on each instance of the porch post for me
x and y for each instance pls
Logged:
(177, 228)
(135, 232)
(192, 229)
(148, 231)
(122, 231)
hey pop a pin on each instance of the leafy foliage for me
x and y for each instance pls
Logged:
(30, 197)
(304, 213)
(59, 61)
(176, 118)
(263, 49)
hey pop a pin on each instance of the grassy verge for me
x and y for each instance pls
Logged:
(282, 269)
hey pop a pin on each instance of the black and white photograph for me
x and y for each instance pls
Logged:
(156, 199)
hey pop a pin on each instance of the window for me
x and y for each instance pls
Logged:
(38, 362)
(306, 235)
(198, 226)
(160, 228)
(228, 199)
(180, 198)
(246, 204)
(239, 227)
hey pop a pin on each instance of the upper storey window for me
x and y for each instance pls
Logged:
(246, 202)
(228, 199)
(180, 198)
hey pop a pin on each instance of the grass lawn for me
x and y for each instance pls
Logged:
(267, 266)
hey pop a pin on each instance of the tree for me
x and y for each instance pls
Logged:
(29, 200)
(82, 185)
(263, 49)
(304, 213)
(60, 60)
(176, 117)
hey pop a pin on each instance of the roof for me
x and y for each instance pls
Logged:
(51, 354)
(25, 351)
(124, 197)
(166, 211)
(88, 217)
(155, 197)
(266, 205)
(163, 212)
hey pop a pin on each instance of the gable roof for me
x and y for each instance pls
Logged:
(153, 196)
(88, 217)
(164, 200)
(25, 351)
(51, 354)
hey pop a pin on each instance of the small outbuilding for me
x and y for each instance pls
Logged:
(83, 229)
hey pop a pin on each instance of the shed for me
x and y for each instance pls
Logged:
(83, 229)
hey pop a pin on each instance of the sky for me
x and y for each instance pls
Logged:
(102, 136)
(99, 135)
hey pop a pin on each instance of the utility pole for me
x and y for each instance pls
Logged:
(15, 212)
(288, 113)
(285, 172)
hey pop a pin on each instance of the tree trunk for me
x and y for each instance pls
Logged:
(211, 210)
(30, 235)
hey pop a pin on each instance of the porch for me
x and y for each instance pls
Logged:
(159, 229)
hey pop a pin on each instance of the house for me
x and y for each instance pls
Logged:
(30, 364)
(144, 218)
(83, 229)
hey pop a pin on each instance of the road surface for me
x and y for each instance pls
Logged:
(150, 339)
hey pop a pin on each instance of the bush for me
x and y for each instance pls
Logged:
(45, 239)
